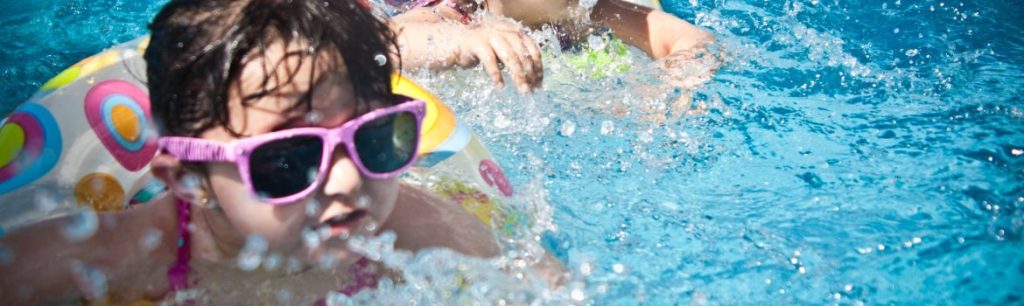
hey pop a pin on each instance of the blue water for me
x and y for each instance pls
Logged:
(846, 152)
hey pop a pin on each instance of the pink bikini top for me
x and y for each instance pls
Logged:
(177, 275)
(412, 4)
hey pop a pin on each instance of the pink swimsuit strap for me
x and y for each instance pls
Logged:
(411, 4)
(177, 275)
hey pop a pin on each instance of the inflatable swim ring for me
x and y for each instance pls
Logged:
(86, 137)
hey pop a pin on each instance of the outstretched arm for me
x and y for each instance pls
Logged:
(430, 38)
(657, 33)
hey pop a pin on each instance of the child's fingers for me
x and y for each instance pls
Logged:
(513, 63)
(533, 51)
(487, 59)
(532, 71)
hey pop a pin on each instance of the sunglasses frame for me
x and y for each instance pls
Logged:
(189, 149)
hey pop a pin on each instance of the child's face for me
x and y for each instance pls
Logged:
(357, 204)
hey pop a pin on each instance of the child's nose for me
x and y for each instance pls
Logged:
(343, 177)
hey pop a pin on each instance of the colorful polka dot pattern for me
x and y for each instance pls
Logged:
(30, 145)
(118, 112)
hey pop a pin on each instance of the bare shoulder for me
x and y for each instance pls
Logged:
(52, 255)
(423, 220)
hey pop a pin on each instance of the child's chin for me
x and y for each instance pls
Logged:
(330, 255)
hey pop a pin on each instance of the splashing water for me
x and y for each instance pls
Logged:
(91, 281)
(81, 226)
(881, 140)
(251, 255)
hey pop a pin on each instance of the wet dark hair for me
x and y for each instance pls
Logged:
(198, 48)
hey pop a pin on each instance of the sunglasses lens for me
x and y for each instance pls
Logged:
(285, 167)
(387, 143)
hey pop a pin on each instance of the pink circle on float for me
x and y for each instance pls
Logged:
(98, 116)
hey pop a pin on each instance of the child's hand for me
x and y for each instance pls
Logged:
(494, 43)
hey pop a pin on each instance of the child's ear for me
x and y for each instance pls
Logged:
(183, 183)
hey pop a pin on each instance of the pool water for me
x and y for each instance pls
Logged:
(846, 152)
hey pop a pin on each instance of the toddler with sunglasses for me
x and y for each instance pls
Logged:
(280, 134)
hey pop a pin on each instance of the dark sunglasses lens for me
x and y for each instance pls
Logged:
(285, 167)
(387, 143)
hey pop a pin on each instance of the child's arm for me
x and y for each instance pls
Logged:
(46, 266)
(656, 32)
(433, 40)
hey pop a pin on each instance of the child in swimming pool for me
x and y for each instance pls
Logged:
(277, 123)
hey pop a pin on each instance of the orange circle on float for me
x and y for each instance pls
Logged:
(100, 191)
(126, 122)
(12, 140)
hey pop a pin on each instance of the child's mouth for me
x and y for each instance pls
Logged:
(344, 223)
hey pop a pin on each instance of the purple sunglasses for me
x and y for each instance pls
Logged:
(285, 166)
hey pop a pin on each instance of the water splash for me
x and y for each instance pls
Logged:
(81, 226)
(251, 255)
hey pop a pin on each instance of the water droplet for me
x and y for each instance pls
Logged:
(273, 261)
(801, 270)
(46, 201)
(577, 294)
(324, 232)
(363, 202)
(380, 59)
(150, 239)
(502, 122)
(262, 197)
(881, 247)
(586, 268)
(848, 288)
(568, 128)
(310, 238)
(912, 53)
(311, 175)
(793, 260)
(81, 226)
(294, 265)
(314, 117)
(251, 255)
(90, 280)
(370, 225)
(327, 261)
(1016, 152)
(607, 127)
(597, 41)
(312, 208)
(618, 268)
(284, 296)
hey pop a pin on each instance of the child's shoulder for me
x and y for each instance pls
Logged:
(421, 220)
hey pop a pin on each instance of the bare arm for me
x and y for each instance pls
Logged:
(431, 38)
(49, 267)
(657, 33)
